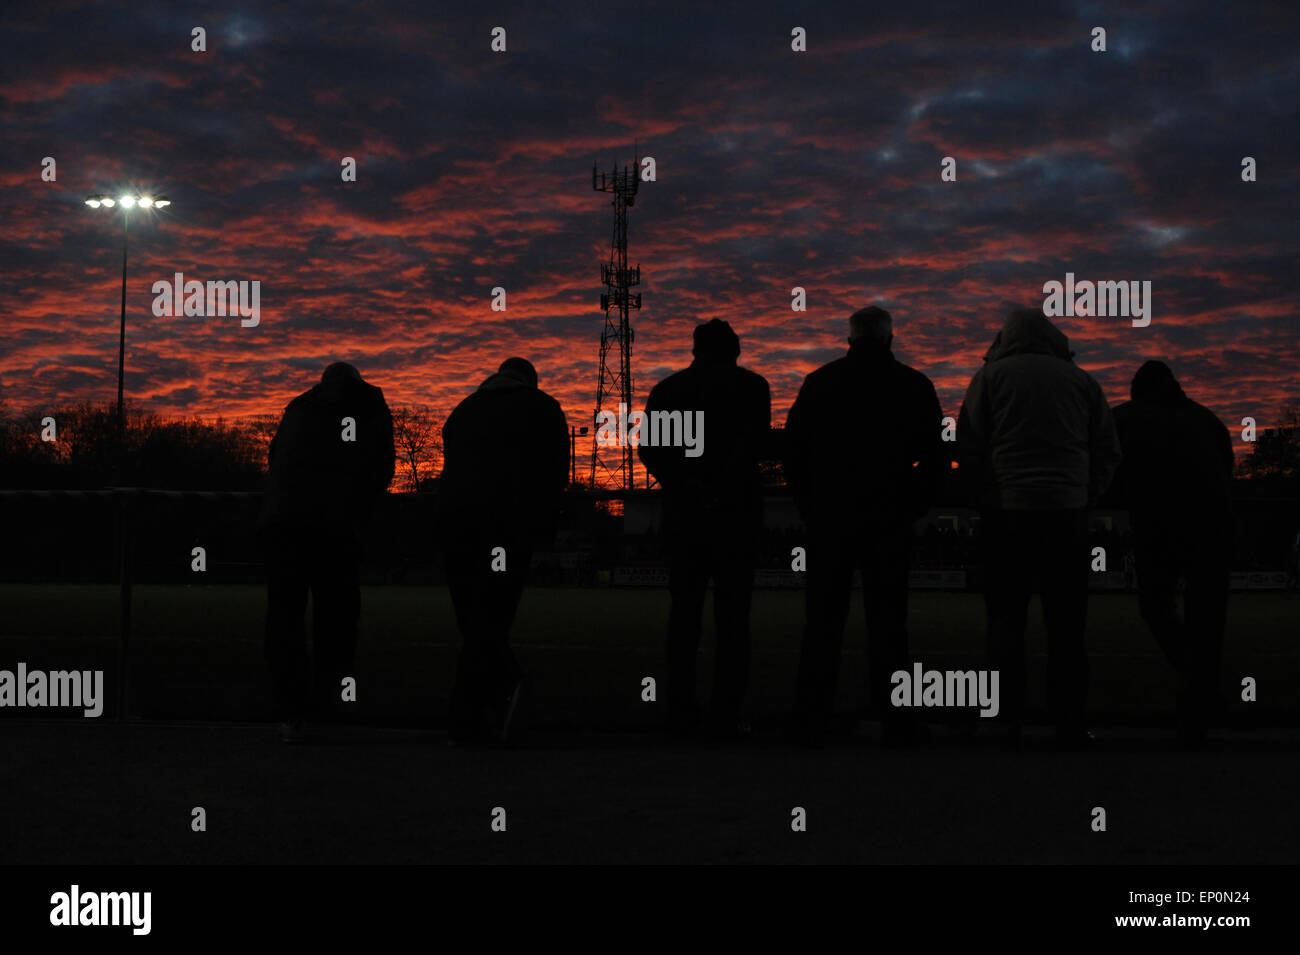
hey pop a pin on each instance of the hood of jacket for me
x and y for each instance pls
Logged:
(1155, 382)
(1028, 333)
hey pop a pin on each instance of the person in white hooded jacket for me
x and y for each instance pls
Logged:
(1037, 445)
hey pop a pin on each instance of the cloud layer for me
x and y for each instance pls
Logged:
(775, 169)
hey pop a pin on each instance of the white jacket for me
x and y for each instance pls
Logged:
(1035, 430)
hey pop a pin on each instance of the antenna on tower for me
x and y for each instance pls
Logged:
(614, 467)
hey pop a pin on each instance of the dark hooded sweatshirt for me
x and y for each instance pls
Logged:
(864, 442)
(319, 482)
(1035, 432)
(1178, 460)
(506, 461)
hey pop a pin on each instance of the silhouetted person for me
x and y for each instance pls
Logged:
(505, 466)
(330, 459)
(1038, 446)
(712, 520)
(865, 459)
(1176, 481)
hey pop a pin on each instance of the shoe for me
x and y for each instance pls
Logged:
(465, 737)
(899, 735)
(292, 732)
(728, 728)
(1074, 740)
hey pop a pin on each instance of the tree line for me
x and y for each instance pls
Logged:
(79, 449)
(76, 446)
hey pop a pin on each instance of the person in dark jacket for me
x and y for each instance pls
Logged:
(864, 456)
(712, 518)
(1037, 446)
(1176, 482)
(505, 466)
(330, 460)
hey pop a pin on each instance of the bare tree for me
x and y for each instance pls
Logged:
(417, 434)
(260, 429)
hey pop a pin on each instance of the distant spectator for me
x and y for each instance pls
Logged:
(330, 460)
(1037, 440)
(865, 459)
(713, 515)
(505, 466)
(1177, 481)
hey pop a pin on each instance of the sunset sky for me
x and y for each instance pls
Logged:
(775, 169)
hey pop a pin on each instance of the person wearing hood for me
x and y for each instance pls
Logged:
(712, 519)
(1037, 446)
(330, 460)
(1176, 482)
(505, 467)
(865, 460)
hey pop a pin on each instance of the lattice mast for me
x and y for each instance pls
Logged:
(615, 466)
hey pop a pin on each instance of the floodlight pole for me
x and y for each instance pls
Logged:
(121, 342)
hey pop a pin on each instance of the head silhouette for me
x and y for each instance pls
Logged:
(716, 343)
(871, 326)
(1155, 381)
(521, 369)
(340, 370)
(1028, 331)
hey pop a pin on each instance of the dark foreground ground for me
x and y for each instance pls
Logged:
(599, 783)
(82, 792)
(196, 652)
